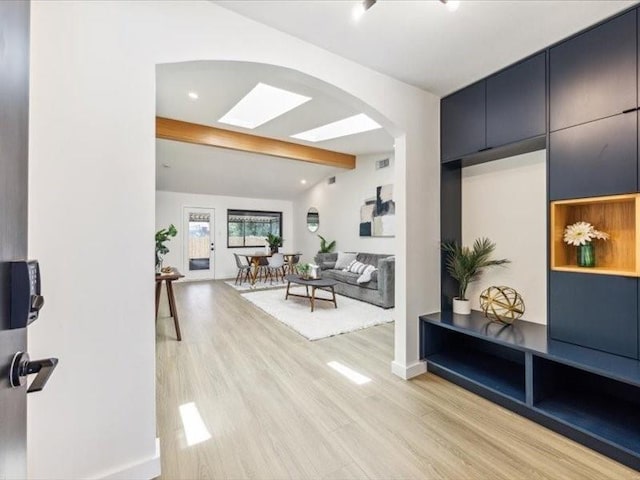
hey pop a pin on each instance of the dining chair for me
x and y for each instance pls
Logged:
(244, 270)
(275, 267)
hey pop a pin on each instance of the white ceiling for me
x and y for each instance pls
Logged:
(421, 42)
(220, 85)
(219, 171)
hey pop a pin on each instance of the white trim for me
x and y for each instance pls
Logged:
(145, 470)
(410, 371)
(198, 275)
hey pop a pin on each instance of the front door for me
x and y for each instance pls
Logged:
(199, 243)
(14, 128)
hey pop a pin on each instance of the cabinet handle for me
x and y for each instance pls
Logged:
(629, 110)
(485, 149)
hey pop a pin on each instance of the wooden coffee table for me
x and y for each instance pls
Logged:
(326, 284)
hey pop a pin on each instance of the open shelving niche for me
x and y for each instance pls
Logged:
(617, 215)
(588, 395)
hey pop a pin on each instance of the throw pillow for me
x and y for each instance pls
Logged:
(344, 259)
(328, 265)
(367, 275)
(356, 267)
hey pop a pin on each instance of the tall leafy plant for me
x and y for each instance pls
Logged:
(465, 264)
(326, 247)
(162, 237)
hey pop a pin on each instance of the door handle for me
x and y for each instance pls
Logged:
(22, 366)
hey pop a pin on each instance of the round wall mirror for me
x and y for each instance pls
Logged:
(313, 219)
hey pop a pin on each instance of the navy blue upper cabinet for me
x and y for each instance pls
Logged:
(594, 75)
(596, 311)
(593, 159)
(516, 102)
(462, 122)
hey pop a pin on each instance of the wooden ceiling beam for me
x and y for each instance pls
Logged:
(170, 129)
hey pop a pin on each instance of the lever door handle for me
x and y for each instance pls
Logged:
(22, 366)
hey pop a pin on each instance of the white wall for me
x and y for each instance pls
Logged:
(505, 201)
(91, 208)
(169, 209)
(339, 208)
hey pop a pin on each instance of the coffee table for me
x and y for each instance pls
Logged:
(326, 284)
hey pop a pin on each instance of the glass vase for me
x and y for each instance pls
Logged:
(586, 255)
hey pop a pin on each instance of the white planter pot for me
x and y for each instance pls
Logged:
(461, 307)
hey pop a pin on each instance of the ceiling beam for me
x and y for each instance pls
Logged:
(170, 129)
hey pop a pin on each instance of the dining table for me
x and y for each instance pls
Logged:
(253, 259)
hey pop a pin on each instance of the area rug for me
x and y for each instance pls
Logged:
(325, 320)
(259, 285)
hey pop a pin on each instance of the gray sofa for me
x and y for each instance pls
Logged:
(379, 291)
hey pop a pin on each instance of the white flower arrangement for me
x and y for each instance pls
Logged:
(582, 233)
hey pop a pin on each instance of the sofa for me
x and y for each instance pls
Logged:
(379, 291)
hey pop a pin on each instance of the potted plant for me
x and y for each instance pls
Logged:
(274, 242)
(580, 235)
(304, 269)
(465, 265)
(162, 236)
(326, 247)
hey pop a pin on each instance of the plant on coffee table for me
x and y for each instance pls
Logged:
(304, 269)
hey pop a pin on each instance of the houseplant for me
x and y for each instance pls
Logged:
(580, 235)
(326, 247)
(274, 242)
(162, 236)
(304, 269)
(465, 265)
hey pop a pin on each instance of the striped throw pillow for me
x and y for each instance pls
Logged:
(356, 267)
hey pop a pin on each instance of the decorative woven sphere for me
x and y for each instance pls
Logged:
(503, 304)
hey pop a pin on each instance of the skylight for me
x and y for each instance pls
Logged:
(262, 104)
(347, 126)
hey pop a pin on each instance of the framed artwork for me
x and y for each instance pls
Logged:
(378, 214)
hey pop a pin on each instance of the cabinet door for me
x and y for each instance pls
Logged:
(594, 75)
(462, 122)
(595, 311)
(597, 158)
(516, 102)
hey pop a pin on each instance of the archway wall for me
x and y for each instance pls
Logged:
(92, 183)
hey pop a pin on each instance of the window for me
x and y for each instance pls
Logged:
(249, 228)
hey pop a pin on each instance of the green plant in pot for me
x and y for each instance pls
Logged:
(162, 237)
(465, 265)
(325, 246)
(304, 269)
(274, 242)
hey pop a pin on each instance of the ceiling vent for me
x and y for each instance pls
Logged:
(384, 163)
(331, 180)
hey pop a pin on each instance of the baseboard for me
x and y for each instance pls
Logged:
(145, 470)
(409, 371)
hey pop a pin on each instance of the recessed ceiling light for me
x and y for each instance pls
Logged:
(452, 5)
(361, 7)
(303, 181)
(262, 104)
(348, 126)
(193, 95)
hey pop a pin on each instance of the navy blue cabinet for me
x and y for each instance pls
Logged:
(516, 102)
(594, 75)
(462, 122)
(595, 311)
(593, 159)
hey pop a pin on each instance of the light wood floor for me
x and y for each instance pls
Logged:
(276, 410)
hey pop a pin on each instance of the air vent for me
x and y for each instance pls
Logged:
(384, 163)
(331, 180)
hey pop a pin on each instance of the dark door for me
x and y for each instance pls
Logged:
(14, 108)
(462, 119)
(593, 75)
(516, 99)
(595, 311)
(593, 159)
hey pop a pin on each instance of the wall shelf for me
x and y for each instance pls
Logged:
(617, 215)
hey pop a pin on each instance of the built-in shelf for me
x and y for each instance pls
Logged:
(616, 215)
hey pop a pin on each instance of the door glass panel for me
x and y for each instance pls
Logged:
(199, 241)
